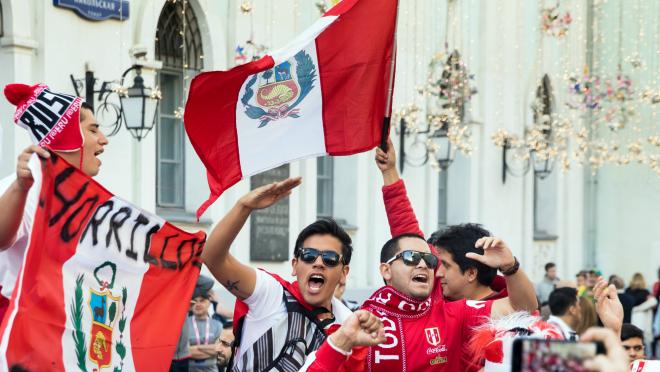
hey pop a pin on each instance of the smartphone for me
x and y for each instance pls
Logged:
(539, 355)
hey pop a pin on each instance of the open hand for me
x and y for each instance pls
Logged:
(23, 173)
(267, 195)
(496, 253)
(608, 306)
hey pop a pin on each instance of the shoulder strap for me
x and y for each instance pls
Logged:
(292, 305)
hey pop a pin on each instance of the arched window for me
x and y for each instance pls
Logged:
(182, 59)
(169, 39)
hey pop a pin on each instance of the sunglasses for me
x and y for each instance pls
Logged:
(330, 258)
(412, 258)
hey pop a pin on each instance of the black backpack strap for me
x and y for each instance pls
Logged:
(237, 341)
(292, 305)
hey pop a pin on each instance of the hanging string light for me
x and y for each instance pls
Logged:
(614, 108)
(179, 111)
(445, 95)
(249, 50)
(615, 121)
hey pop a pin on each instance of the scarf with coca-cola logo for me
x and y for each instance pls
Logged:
(419, 334)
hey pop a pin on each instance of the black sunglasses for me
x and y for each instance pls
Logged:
(412, 258)
(330, 258)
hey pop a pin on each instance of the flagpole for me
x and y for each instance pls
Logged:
(387, 118)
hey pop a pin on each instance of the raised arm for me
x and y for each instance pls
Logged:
(521, 290)
(239, 279)
(12, 202)
(400, 214)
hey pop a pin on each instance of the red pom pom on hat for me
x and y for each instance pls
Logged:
(18, 93)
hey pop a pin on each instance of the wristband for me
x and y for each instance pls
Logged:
(337, 349)
(513, 269)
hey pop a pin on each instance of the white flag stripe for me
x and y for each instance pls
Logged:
(284, 138)
(87, 258)
(301, 41)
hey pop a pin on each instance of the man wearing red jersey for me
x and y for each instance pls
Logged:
(423, 331)
(457, 276)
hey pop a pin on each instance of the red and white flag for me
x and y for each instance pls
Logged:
(324, 93)
(104, 286)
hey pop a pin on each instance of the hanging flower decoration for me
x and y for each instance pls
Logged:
(324, 5)
(450, 82)
(553, 23)
(249, 51)
(650, 95)
(544, 143)
(447, 92)
(246, 6)
(584, 91)
(610, 101)
(240, 57)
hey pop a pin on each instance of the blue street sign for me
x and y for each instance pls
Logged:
(96, 10)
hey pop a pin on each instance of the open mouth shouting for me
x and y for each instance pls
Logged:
(96, 154)
(421, 278)
(315, 283)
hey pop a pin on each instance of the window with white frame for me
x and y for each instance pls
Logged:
(178, 70)
(170, 143)
(324, 186)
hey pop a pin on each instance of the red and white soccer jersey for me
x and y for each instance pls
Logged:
(420, 335)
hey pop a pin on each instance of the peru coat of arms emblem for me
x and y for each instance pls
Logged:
(279, 90)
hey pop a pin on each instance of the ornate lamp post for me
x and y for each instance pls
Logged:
(138, 104)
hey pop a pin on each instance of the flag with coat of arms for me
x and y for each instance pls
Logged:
(325, 93)
(104, 285)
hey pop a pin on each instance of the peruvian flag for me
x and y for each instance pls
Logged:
(324, 93)
(104, 286)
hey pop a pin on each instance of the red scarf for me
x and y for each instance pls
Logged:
(419, 334)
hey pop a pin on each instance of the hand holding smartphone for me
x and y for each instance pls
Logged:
(540, 355)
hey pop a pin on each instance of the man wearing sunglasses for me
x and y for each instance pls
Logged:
(423, 331)
(278, 325)
(458, 276)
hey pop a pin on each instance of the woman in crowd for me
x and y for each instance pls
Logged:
(645, 303)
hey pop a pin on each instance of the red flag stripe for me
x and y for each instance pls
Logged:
(351, 71)
(213, 110)
(151, 351)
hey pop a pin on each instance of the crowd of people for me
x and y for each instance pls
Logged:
(437, 294)
(570, 304)
(452, 302)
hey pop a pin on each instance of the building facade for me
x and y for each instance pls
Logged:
(576, 218)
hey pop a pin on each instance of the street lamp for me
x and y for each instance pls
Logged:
(138, 104)
(427, 143)
(537, 149)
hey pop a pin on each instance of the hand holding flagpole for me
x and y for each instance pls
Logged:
(387, 118)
